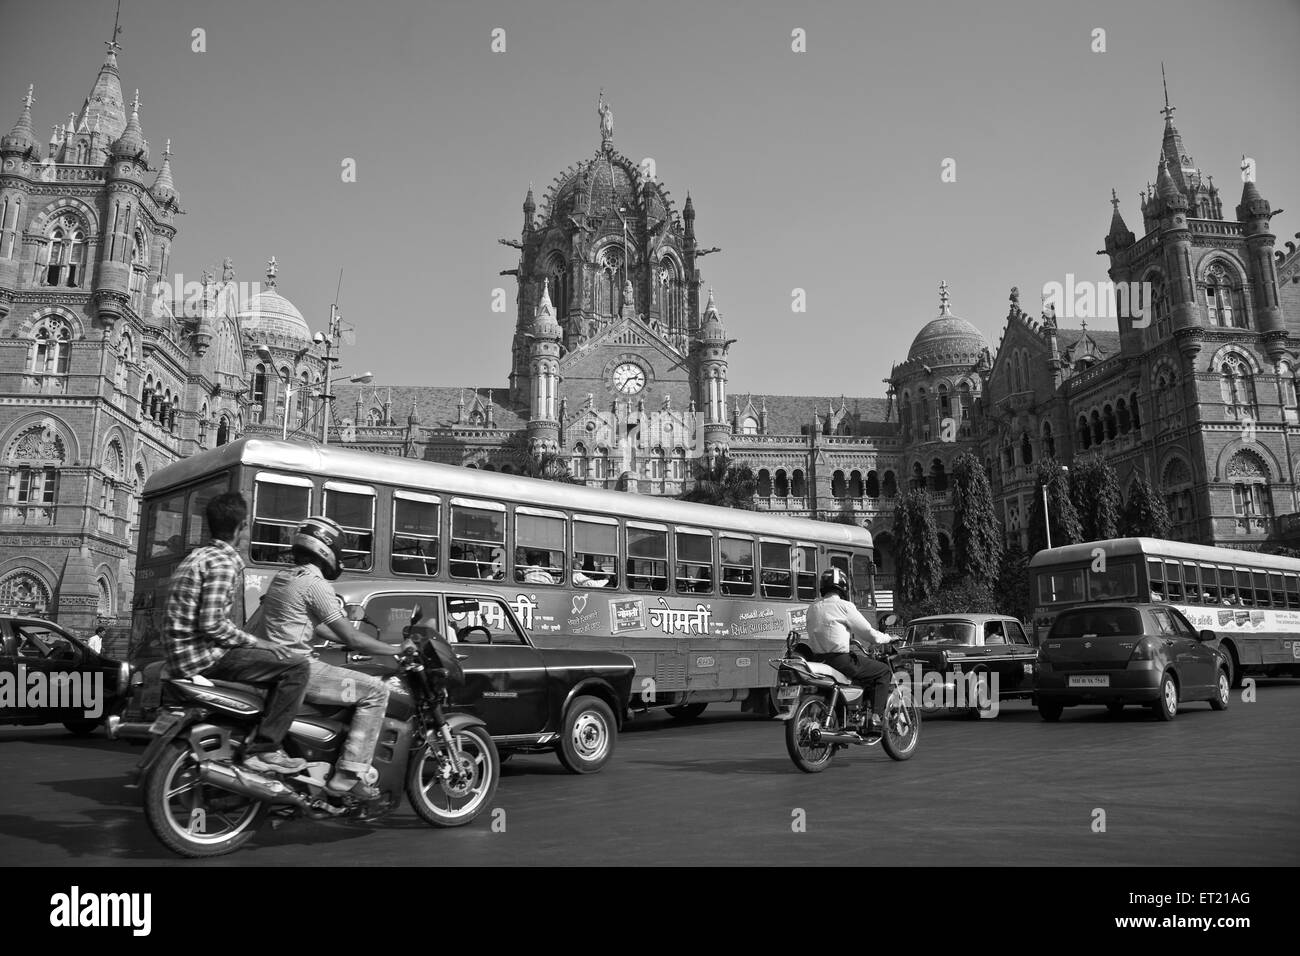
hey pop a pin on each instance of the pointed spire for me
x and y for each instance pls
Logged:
(105, 100)
(1168, 110)
(271, 269)
(132, 144)
(1165, 187)
(1117, 226)
(529, 204)
(22, 138)
(163, 187)
(710, 306)
(944, 308)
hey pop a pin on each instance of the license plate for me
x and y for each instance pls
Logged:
(163, 723)
(787, 693)
(1089, 680)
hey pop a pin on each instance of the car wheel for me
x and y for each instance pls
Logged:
(686, 711)
(82, 728)
(1114, 709)
(1222, 691)
(1234, 669)
(1166, 707)
(1050, 711)
(590, 732)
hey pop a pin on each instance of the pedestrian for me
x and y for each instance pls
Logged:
(200, 638)
(96, 641)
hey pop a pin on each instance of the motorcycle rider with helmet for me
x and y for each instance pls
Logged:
(298, 601)
(832, 623)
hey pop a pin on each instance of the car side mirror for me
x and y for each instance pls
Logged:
(889, 620)
(1206, 635)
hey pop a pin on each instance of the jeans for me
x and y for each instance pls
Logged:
(285, 682)
(369, 695)
(871, 675)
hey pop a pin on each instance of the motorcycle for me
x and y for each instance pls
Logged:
(199, 802)
(825, 712)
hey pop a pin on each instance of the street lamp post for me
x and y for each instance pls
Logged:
(1047, 518)
(265, 355)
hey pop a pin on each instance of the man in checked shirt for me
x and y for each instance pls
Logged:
(200, 638)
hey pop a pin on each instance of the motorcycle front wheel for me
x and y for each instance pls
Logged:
(811, 712)
(902, 729)
(192, 818)
(442, 798)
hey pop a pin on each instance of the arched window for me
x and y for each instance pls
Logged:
(749, 425)
(600, 463)
(51, 347)
(1108, 420)
(1222, 300)
(905, 416)
(938, 477)
(659, 467)
(798, 486)
(964, 399)
(1085, 433)
(1026, 448)
(1098, 430)
(1133, 410)
(669, 290)
(25, 593)
(139, 271)
(918, 477)
(1159, 305)
(764, 488)
(1122, 417)
(64, 257)
(104, 605)
(855, 484)
(872, 488)
(889, 488)
(1287, 381)
(1008, 452)
(1237, 386)
(579, 462)
(557, 273)
(1251, 499)
(609, 283)
(837, 484)
(223, 431)
(303, 398)
(923, 413)
(375, 417)
(133, 501)
(945, 550)
(1049, 443)
(35, 457)
(1177, 488)
(945, 402)
(259, 390)
(679, 464)
(781, 485)
(125, 357)
(1017, 377)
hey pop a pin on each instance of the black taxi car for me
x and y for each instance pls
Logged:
(570, 702)
(941, 652)
(49, 676)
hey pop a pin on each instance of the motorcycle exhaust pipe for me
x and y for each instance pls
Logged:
(249, 784)
(840, 737)
(119, 729)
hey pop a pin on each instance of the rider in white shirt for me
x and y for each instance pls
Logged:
(833, 622)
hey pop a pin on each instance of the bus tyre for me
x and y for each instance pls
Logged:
(1166, 707)
(587, 740)
(686, 711)
(1050, 711)
(82, 728)
(1222, 690)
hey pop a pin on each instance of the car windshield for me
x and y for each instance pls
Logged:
(958, 632)
(1098, 622)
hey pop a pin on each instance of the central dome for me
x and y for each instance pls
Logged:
(947, 340)
(271, 313)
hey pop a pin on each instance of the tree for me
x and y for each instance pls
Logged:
(977, 536)
(1065, 520)
(1094, 491)
(723, 481)
(916, 545)
(547, 465)
(958, 595)
(1145, 514)
(1013, 590)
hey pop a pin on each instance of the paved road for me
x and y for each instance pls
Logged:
(1207, 789)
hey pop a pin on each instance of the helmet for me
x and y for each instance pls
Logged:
(321, 539)
(834, 579)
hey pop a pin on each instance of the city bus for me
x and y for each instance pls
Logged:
(700, 597)
(1250, 600)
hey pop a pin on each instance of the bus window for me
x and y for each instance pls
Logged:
(1118, 581)
(1209, 584)
(478, 542)
(1173, 581)
(1060, 587)
(805, 572)
(1156, 578)
(167, 526)
(280, 504)
(595, 552)
(840, 560)
(737, 559)
(1276, 589)
(1191, 584)
(539, 547)
(353, 507)
(774, 560)
(647, 557)
(196, 531)
(415, 534)
(1261, 589)
(1245, 589)
(1227, 586)
(694, 562)
(1292, 591)
(862, 574)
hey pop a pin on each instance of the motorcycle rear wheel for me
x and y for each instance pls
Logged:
(902, 729)
(811, 710)
(436, 798)
(181, 809)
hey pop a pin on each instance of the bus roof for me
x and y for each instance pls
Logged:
(334, 462)
(1156, 547)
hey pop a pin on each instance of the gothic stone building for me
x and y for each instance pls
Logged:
(101, 383)
(615, 366)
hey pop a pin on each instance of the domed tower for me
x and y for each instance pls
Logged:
(544, 374)
(712, 364)
(19, 153)
(281, 346)
(129, 160)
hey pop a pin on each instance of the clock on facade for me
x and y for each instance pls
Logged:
(629, 378)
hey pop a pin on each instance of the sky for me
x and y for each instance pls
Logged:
(817, 170)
